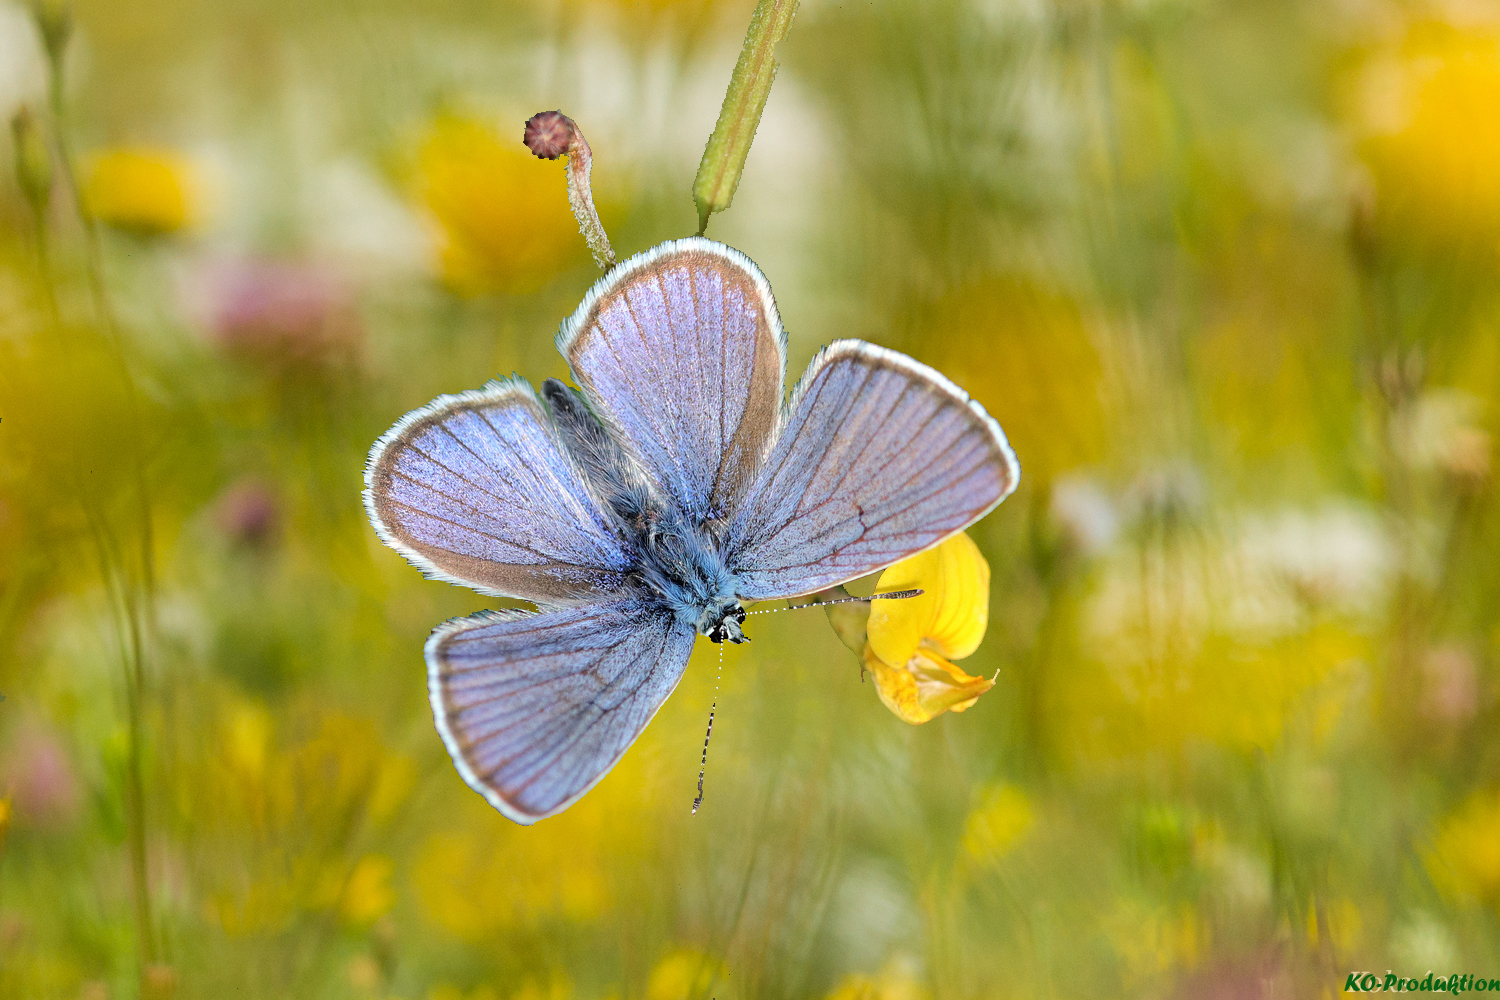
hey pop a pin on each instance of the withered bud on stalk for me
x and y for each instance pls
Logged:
(550, 134)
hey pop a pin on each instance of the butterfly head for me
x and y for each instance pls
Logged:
(721, 620)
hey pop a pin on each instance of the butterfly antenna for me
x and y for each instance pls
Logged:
(890, 596)
(703, 763)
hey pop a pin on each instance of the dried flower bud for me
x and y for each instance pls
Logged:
(550, 134)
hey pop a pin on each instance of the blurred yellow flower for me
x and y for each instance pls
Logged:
(1205, 637)
(246, 740)
(1151, 940)
(1345, 924)
(290, 812)
(683, 974)
(502, 217)
(556, 988)
(368, 895)
(477, 884)
(894, 982)
(1227, 692)
(1000, 818)
(1027, 354)
(1432, 135)
(911, 641)
(1464, 859)
(447, 991)
(141, 190)
(5, 811)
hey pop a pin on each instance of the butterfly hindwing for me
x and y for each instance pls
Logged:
(476, 489)
(536, 708)
(681, 351)
(879, 458)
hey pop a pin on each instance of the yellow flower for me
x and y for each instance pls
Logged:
(911, 641)
(368, 895)
(896, 981)
(1001, 818)
(1151, 940)
(683, 974)
(1432, 137)
(477, 884)
(556, 988)
(1026, 353)
(1464, 859)
(141, 190)
(502, 216)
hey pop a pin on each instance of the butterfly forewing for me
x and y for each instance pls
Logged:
(880, 458)
(536, 708)
(681, 350)
(475, 489)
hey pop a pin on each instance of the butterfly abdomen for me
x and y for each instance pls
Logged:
(604, 464)
(679, 560)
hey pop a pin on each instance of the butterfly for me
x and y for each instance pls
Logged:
(648, 505)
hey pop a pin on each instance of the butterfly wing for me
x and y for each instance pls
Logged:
(879, 458)
(476, 489)
(681, 351)
(537, 707)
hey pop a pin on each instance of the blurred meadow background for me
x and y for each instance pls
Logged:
(1228, 274)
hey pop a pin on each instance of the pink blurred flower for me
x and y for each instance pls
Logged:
(1450, 684)
(248, 513)
(1259, 976)
(40, 779)
(277, 311)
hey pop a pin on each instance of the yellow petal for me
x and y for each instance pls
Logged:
(951, 615)
(963, 609)
(897, 628)
(925, 687)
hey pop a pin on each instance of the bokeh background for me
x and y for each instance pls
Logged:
(1226, 272)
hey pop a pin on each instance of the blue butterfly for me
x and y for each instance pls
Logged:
(647, 506)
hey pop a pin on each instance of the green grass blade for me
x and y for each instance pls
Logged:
(744, 101)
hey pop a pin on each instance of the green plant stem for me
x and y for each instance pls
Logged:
(132, 593)
(64, 158)
(744, 101)
(44, 267)
(123, 599)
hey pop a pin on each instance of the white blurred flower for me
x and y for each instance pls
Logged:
(1421, 941)
(1173, 491)
(23, 73)
(354, 218)
(1442, 432)
(1085, 513)
(1339, 558)
(1253, 575)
